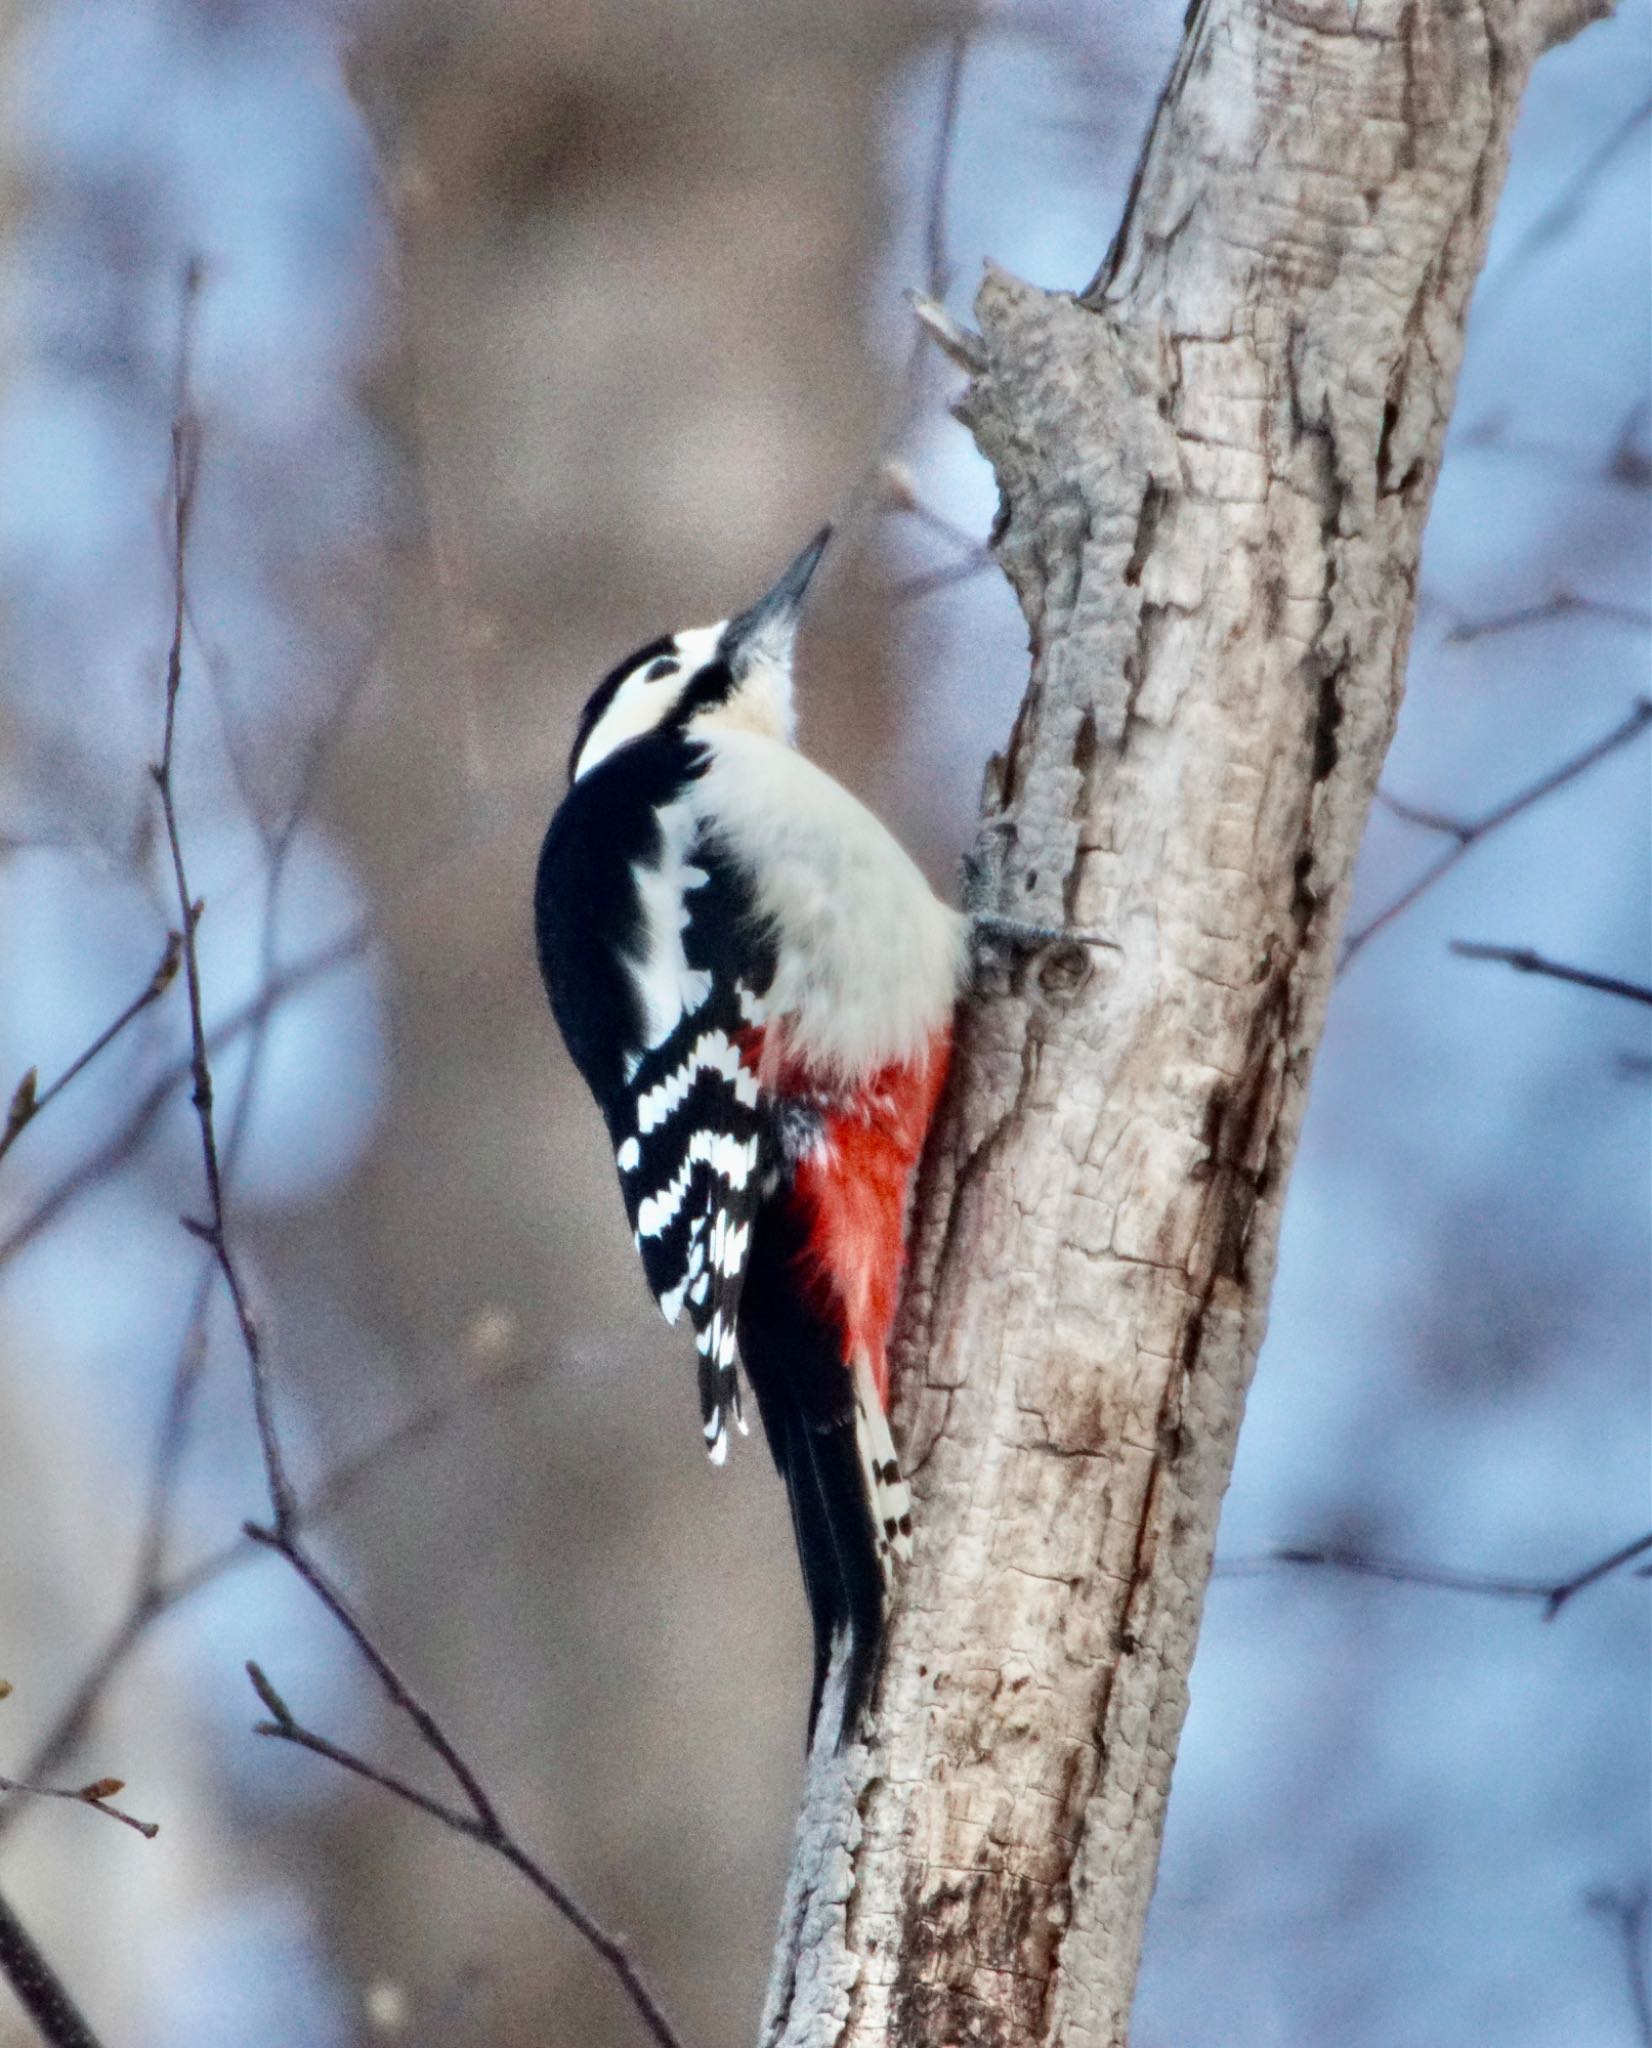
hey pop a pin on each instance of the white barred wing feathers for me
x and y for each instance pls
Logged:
(690, 1124)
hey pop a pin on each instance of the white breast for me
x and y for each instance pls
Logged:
(870, 962)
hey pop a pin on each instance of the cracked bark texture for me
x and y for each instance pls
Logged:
(1215, 465)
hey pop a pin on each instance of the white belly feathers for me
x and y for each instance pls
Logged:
(876, 961)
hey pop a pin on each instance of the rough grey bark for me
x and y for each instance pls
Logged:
(1215, 465)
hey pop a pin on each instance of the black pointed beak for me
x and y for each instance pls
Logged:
(774, 616)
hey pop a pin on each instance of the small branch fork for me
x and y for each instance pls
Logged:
(96, 1794)
(482, 1822)
(974, 558)
(1467, 833)
(1553, 1595)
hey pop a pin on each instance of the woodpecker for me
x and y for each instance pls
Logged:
(758, 986)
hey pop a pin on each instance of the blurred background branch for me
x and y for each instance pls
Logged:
(1525, 961)
(39, 1989)
(1468, 832)
(28, 1099)
(1552, 1594)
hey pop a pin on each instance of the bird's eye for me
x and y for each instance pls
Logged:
(664, 666)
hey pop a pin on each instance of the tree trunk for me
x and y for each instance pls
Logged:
(1215, 466)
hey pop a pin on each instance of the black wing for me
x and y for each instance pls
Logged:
(657, 966)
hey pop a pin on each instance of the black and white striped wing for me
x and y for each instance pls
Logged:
(691, 1129)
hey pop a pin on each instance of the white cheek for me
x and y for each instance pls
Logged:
(640, 704)
(637, 708)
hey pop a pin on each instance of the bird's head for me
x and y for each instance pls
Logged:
(736, 675)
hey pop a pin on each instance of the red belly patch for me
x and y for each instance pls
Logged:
(852, 1189)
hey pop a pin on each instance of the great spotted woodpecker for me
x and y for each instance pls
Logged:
(758, 986)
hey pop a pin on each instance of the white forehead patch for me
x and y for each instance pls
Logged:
(647, 698)
(698, 645)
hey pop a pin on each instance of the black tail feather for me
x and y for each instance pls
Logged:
(836, 1546)
(805, 1395)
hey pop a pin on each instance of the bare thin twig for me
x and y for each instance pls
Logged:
(484, 1823)
(27, 1101)
(1551, 1594)
(1630, 463)
(1565, 604)
(39, 1988)
(36, 842)
(1468, 833)
(948, 529)
(283, 1727)
(1627, 464)
(1399, 1572)
(958, 343)
(213, 1231)
(934, 320)
(1525, 961)
(396, 1689)
(96, 1795)
(173, 1439)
